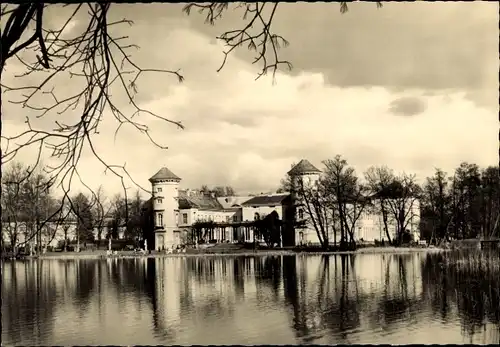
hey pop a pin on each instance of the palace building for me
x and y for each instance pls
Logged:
(175, 211)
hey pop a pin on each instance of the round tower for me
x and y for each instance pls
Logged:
(165, 185)
(304, 175)
(304, 172)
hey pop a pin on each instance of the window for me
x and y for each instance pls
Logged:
(160, 201)
(159, 190)
(160, 220)
(235, 218)
(184, 218)
(301, 214)
(228, 218)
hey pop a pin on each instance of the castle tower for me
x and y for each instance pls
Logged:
(165, 186)
(304, 174)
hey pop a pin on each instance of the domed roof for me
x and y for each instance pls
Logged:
(164, 174)
(303, 167)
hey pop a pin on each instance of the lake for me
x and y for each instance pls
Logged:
(366, 298)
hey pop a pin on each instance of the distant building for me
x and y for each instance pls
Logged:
(174, 211)
(368, 227)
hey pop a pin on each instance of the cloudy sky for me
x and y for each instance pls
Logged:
(411, 85)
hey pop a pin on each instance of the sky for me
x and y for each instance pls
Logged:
(413, 86)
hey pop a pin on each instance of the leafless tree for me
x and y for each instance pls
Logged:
(379, 180)
(101, 208)
(95, 59)
(310, 201)
(402, 202)
(100, 62)
(395, 197)
(27, 204)
(12, 204)
(347, 198)
(438, 200)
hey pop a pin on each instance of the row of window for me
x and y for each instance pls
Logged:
(257, 216)
(159, 218)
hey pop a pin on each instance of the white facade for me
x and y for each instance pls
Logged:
(165, 186)
(369, 227)
(250, 213)
(308, 235)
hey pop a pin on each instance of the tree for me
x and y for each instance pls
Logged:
(100, 211)
(437, 206)
(100, 61)
(27, 204)
(49, 230)
(134, 224)
(394, 198)
(401, 196)
(82, 210)
(347, 198)
(490, 193)
(221, 191)
(127, 215)
(311, 198)
(269, 228)
(379, 180)
(218, 191)
(466, 201)
(12, 204)
(118, 213)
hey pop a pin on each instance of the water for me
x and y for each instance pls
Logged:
(394, 299)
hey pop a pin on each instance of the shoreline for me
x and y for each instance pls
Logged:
(103, 255)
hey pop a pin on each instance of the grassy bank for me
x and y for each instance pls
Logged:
(101, 254)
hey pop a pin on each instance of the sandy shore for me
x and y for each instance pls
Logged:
(103, 255)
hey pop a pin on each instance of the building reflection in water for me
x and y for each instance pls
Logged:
(248, 300)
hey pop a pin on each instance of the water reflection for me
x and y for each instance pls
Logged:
(248, 300)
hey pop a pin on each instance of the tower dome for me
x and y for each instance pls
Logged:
(164, 174)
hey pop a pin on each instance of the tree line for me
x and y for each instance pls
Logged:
(32, 213)
(464, 204)
(458, 206)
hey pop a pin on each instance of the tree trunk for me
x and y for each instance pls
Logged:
(384, 218)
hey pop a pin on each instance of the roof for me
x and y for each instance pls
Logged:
(266, 200)
(233, 201)
(164, 174)
(200, 201)
(303, 167)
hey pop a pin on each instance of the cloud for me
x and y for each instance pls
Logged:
(246, 133)
(423, 45)
(407, 106)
